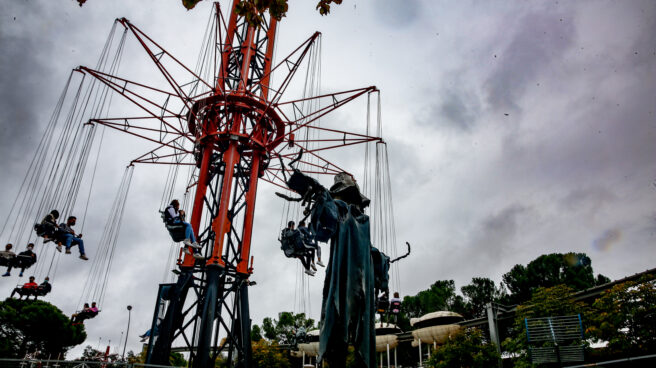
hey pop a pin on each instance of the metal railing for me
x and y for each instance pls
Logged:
(49, 363)
(564, 334)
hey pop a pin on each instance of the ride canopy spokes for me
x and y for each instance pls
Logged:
(229, 121)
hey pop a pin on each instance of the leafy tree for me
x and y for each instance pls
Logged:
(90, 353)
(256, 333)
(601, 280)
(269, 355)
(35, 325)
(440, 296)
(133, 358)
(467, 348)
(283, 330)
(478, 293)
(625, 317)
(176, 360)
(572, 269)
(545, 302)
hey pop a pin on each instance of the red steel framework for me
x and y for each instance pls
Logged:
(240, 130)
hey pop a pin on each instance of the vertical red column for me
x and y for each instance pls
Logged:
(232, 154)
(209, 130)
(221, 224)
(251, 196)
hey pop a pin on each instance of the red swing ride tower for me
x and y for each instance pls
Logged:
(241, 130)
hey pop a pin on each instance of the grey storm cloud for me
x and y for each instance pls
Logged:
(502, 226)
(459, 109)
(536, 40)
(592, 198)
(21, 87)
(397, 13)
(498, 233)
(456, 107)
(475, 191)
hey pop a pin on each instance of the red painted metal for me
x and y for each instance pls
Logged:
(251, 195)
(237, 125)
(229, 134)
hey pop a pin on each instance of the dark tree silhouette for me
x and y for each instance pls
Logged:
(28, 326)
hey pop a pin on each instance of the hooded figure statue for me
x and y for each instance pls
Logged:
(348, 306)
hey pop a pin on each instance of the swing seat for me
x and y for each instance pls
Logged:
(41, 291)
(22, 291)
(291, 243)
(395, 307)
(84, 315)
(23, 262)
(7, 259)
(176, 230)
(47, 229)
(382, 305)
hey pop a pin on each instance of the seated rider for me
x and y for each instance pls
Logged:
(69, 238)
(93, 311)
(24, 260)
(48, 227)
(86, 313)
(174, 215)
(81, 315)
(29, 288)
(7, 257)
(146, 336)
(395, 302)
(44, 288)
(310, 241)
(304, 254)
(382, 302)
(395, 305)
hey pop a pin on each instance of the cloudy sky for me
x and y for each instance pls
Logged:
(514, 129)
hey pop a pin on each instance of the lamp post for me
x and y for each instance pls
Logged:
(127, 331)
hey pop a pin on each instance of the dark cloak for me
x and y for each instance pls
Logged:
(381, 270)
(347, 311)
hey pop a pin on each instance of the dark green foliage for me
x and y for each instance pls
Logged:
(89, 353)
(467, 348)
(572, 269)
(30, 325)
(253, 10)
(283, 330)
(324, 6)
(440, 296)
(625, 316)
(189, 4)
(176, 360)
(547, 302)
(478, 293)
(601, 280)
(269, 355)
(256, 333)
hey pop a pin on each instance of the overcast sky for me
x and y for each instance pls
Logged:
(514, 129)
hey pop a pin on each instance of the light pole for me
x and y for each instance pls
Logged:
(127, 331)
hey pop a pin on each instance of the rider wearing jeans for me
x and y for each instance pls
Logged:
(69, 238)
